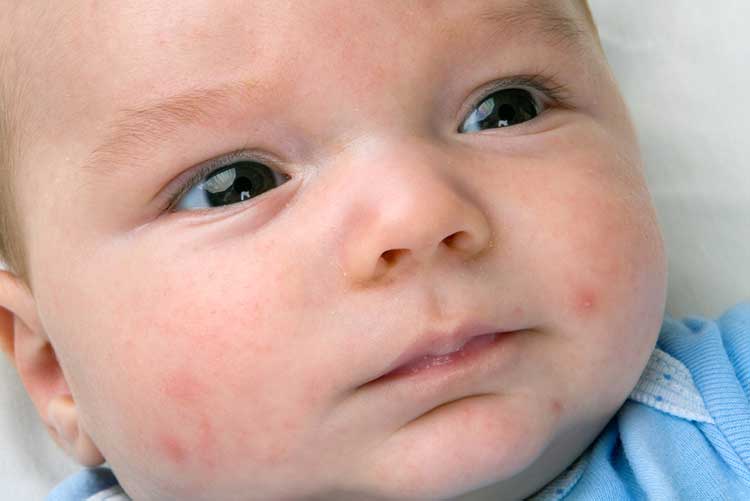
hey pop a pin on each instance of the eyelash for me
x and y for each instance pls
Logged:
(201, 173)
(558, 93)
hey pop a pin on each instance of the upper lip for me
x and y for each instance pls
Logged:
(440, 343)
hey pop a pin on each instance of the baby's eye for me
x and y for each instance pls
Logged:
(503, 108)
(236, 182)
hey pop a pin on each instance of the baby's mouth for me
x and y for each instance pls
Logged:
(430, 361)
(434, 354)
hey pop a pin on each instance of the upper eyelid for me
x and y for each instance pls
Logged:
(550, 86)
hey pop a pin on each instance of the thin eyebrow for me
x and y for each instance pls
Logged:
(136, 131)
(144, 127)
(541, 16)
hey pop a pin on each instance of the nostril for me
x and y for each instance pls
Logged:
(459, 240)
(393, 255)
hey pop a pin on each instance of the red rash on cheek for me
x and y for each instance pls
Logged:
(178, 454)
(184, 393)
(182, 387)
(172, 449)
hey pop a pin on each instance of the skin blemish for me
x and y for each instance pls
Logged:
(556, 408)
(185, 390)
(584, 302)
(181, 386)
(178, 452)
(172, 449)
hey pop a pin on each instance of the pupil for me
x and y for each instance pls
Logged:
(506, 112)
(242, 184)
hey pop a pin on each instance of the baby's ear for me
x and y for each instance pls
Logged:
(24, 341)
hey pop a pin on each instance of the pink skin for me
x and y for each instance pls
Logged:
(213, 355)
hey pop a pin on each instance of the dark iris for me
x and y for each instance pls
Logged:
(238, 182)
(503, 108)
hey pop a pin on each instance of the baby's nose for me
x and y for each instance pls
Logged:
(406, 206)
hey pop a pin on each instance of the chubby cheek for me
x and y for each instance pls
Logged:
(609, 256)
(213, 378)
(602, 257)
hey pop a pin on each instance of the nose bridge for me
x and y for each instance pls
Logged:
(405, 207)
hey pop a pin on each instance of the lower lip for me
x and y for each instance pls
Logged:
(436, 364)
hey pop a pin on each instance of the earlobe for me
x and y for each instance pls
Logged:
(11, 295)
(6, 334)
(27, 346)
(17, 306)
(65, 429)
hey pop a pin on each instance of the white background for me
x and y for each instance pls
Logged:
(684, 69)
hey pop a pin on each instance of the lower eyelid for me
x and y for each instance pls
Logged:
(542, 123)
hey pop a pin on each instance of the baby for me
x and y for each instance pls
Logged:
(336, 250)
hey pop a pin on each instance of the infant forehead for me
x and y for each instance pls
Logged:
(196, 22)
(555, 16)
(146, 40)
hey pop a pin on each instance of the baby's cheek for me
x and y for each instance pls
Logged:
(612, 289)
(198, 401)
(607, 257)
(198, 432)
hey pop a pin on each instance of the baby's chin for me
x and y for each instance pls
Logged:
(490, 443)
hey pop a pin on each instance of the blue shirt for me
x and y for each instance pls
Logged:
(682, 434)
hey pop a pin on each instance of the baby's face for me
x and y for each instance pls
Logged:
(372, 179)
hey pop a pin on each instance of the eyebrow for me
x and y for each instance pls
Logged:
(543, 17)
(137, 130)
(145, 127)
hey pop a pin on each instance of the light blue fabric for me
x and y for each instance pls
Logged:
(90, 484)
(683, 434)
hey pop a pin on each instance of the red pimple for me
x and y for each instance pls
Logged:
(585, 302)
